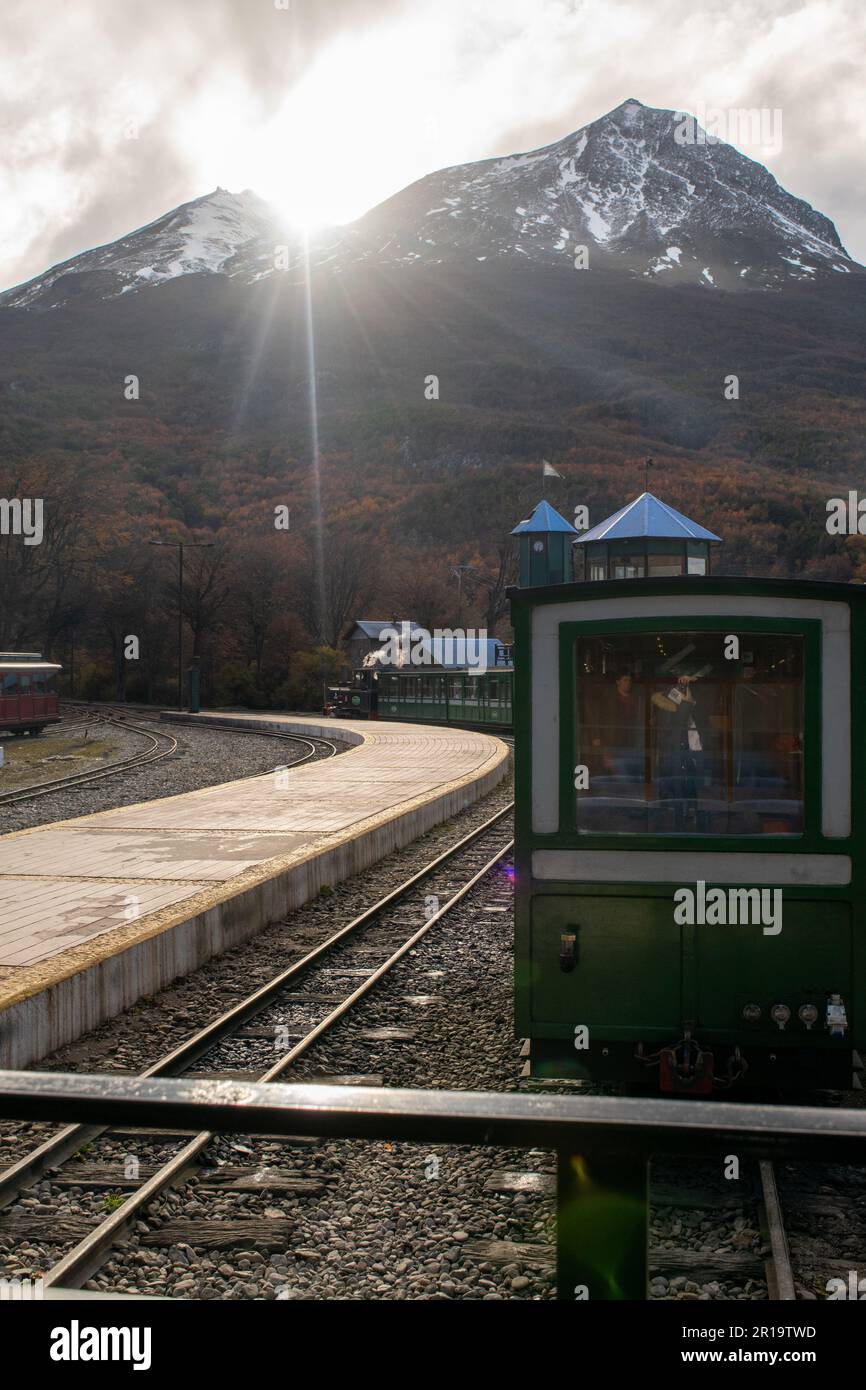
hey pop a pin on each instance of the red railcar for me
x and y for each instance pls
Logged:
(28, 694)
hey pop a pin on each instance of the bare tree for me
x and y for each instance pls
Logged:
(258, 583)
(205, 592)
(347, 583)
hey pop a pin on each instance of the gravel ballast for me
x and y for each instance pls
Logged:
(381, 1221)
(204, 757)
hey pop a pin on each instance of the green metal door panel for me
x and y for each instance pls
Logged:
(809, 959)
(627, 975)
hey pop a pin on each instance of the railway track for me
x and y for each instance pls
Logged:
(688, 1199)
(757, 1207)
(781, 1286)
(361, 952)
(161, 745)
(737, 1227)
(120, 713)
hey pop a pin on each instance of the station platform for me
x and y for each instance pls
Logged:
(99, 911)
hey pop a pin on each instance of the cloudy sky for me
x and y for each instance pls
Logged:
(114, 111)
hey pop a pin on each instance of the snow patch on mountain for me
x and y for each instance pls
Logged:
(625, 186)
(201, 237)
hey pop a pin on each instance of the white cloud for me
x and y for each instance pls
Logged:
(331, 107)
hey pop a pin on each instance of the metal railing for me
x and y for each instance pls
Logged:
(603, 1144)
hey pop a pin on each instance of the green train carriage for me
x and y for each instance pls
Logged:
(689, 850)
(469, 698)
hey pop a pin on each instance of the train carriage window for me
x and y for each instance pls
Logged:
(493, 690)
(456, 690)
(10, 683)
(675, 739)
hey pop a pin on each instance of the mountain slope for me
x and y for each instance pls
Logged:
(625, 187)
(200, 237)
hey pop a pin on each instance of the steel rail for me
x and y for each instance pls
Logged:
(80, 1263)
(120, 711)
(780, 1275)
(155, 753)
(311, 741)
(55, 1150)
(151, 755)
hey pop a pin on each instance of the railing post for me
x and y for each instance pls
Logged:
(602, 1217)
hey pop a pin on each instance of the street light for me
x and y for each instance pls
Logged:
(458, 572)
(179, 546)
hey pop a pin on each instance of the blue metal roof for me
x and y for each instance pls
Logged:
(647, 517)
(544, 518)
(374, 627)
(436, 652)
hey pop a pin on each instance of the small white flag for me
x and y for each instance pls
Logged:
(549, 470)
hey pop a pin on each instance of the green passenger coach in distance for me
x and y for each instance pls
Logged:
(689, 850)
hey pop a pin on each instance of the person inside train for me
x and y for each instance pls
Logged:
(679, 745)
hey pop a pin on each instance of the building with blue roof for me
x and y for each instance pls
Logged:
(544, 539)
(544, 518)
(644, 539)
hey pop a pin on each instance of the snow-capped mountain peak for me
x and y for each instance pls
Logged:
(638, 191)
(200, 237)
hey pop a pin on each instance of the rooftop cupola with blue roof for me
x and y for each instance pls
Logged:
(645, 539)
(545, 539)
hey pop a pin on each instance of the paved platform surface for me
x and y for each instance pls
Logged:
(78, 893)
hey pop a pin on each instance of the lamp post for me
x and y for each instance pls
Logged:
(458, 571)
(180, 546)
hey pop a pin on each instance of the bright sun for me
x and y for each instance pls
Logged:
(342, 140)
(337, 144)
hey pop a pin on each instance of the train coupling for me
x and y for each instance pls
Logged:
(686, 1068)
(837, 1018)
